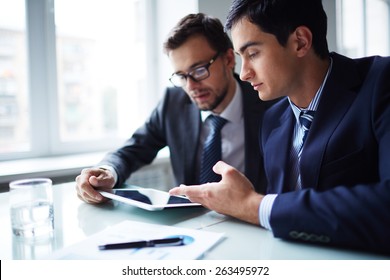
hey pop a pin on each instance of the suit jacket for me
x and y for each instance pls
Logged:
(176, 123)
(345, 163)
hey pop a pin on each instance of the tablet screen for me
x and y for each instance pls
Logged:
(149, 199)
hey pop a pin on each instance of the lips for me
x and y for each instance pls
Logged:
(201, 96)
(256, 86)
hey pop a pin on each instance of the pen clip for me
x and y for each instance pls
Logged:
(172, 241)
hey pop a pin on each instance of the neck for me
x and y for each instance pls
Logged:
(311, 80)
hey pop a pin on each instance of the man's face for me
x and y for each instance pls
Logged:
(215, 92)
(269, 67)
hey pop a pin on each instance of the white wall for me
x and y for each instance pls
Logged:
(216, 8)
(330, 9)
(168, 13)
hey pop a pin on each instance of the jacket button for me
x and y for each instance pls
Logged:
(309, 237)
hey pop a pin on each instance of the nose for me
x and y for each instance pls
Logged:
(191, 84)
(246, 72)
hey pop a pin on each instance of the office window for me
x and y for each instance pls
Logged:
(100, 68)
(14, 98)
(87, 86)
(363, 27)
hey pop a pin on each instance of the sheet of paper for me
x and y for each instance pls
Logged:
(128, 231)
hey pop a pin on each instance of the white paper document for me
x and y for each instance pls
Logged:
(129, 231)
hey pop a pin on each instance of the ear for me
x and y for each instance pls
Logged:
(303, 39)
(230, 58)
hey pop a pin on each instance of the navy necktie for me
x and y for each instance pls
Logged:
(305, 120)
(211, 150)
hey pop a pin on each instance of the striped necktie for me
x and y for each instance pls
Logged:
(212, 151)
(305, 120)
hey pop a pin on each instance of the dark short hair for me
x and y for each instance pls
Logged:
(282, 17)
(198, 24)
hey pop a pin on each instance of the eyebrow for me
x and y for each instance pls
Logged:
(249, 44)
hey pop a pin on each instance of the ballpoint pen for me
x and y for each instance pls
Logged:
(173, 241)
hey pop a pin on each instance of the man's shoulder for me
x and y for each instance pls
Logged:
(376, 65)
(363, 65)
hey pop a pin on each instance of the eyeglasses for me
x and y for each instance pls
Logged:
(197, 74)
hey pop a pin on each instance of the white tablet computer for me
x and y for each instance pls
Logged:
(148, 199)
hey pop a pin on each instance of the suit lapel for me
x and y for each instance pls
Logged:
(277, 151)
(336, 99)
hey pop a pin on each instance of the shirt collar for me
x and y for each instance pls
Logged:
(233, 112)
(315, 101)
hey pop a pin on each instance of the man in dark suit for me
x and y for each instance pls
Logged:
(202, 56)
(325, 147)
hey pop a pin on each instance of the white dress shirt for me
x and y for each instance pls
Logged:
(232, 133)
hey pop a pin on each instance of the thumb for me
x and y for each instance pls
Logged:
(226, 170)
(103, 180)
(222, 168)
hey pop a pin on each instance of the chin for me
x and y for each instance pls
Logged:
(266, 97)
(203, 107)
(206, 106)
(262, 96)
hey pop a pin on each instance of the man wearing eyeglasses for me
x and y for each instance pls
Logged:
(203, 60)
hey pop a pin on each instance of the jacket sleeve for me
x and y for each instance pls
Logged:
(357, 217)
